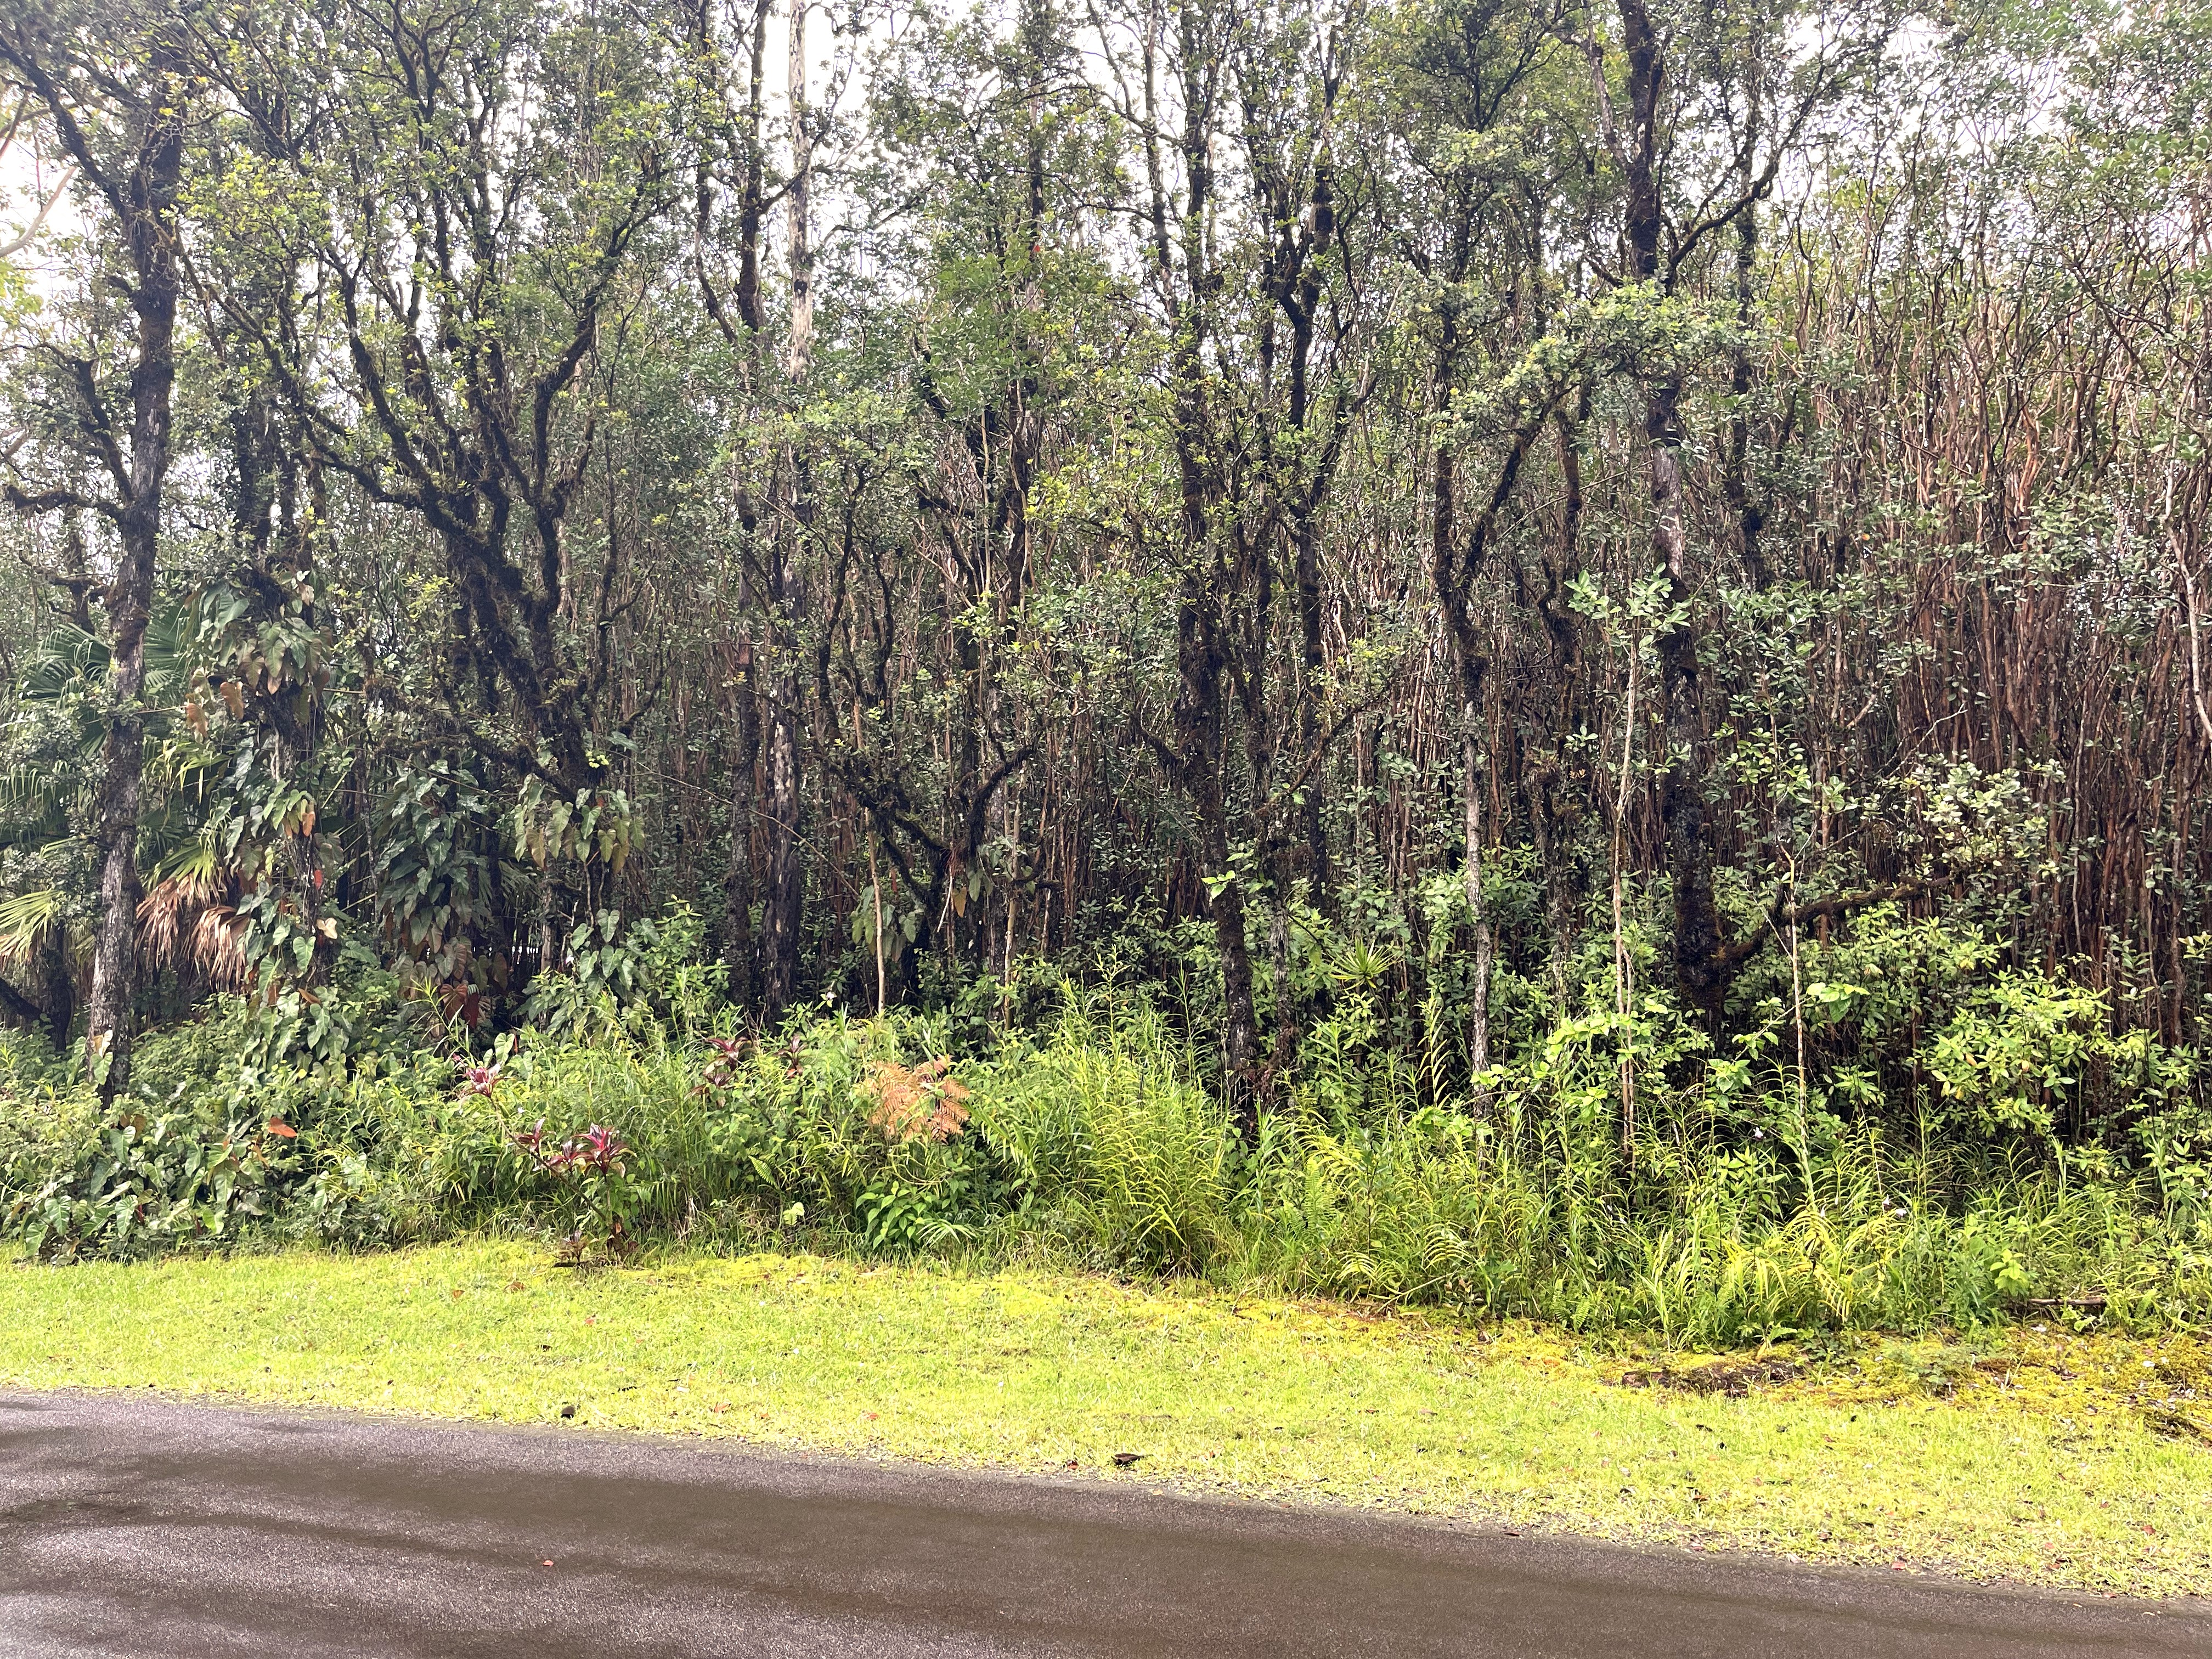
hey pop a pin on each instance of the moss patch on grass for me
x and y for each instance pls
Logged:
(2067, 1460)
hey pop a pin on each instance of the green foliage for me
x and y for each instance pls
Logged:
(596, 824)
(2018, 1047)
(1111, 1148)
(1723, 1223)
(140, 1184)
(620, 977)
(588, 671)
(435, 870)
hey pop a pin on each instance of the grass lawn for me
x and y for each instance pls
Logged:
(2066, 1461)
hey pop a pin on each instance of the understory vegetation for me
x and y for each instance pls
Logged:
(1083, 1139)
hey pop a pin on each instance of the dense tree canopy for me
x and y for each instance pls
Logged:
(1430, 530)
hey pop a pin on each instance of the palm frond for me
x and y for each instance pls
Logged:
(36, 802)
(188, 878)
(219, 947)
(69, 658)
(24, 921)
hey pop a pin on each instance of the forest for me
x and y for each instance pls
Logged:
(1544, 655)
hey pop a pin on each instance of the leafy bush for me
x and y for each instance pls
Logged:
(139, 1184)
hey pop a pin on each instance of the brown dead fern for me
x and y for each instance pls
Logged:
(916, 1103)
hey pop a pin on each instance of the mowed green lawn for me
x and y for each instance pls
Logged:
(2045, 1464)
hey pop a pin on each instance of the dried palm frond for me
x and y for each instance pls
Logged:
(159, 914)
(185, 882)
(219, 947)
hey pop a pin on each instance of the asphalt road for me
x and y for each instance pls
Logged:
(144, 1527)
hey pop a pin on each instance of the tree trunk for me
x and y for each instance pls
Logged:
(1699, 972)
(56, 986)
(146, 203)
(1549, 802)
(1240, 1020)
(1477, 1041)
(1312, 664)
(1199, 757)
(1744, 505)
(738, 875)
(739, 943)
(781, 912)
(783, 904)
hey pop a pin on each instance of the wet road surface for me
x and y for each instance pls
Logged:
(144, 1527)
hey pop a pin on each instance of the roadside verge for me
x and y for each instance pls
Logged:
(2068, 1461)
